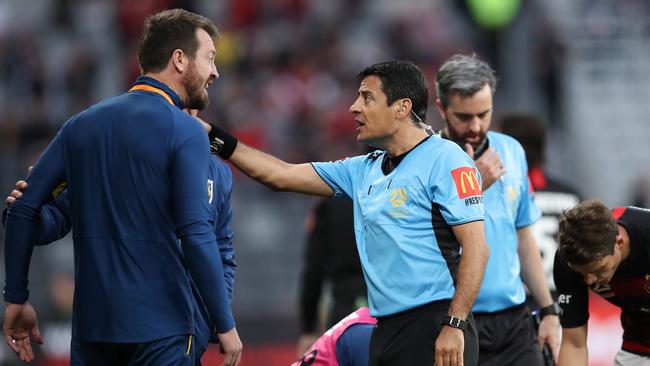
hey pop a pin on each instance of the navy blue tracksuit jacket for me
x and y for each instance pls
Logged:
(136, 167)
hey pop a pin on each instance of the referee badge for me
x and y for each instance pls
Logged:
(210, 190)
(398, 197)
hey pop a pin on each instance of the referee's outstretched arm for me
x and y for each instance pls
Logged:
(277, 174)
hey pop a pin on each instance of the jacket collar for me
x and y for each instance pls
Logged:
(146, 83)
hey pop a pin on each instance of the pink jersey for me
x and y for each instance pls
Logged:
(323, 352)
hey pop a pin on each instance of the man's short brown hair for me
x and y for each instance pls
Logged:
(167, 31)
(587, 233)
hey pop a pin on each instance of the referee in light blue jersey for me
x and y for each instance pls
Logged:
(136, 167)
(506, 333)
(415, 204)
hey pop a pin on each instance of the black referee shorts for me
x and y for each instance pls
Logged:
(409, 338)
(508, 338)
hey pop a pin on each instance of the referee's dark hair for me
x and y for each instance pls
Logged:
(587, 233)
(167, 31)
(401, 79)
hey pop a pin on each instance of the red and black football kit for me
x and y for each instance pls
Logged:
(552, 196)
(628, 289)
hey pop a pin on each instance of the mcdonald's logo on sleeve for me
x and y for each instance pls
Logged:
(467, 183)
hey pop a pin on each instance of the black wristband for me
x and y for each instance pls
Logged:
(222, 142)
(454, 322)
(553, 309)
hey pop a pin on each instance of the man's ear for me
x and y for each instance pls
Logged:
(179, 60)
(619, 240)
(403, 107)
(441, 109)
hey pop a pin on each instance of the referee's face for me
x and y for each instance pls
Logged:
(374, 118)
(468, 118)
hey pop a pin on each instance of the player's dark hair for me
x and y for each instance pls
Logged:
(167, 31)
(587, 233)
(401, 79)
(530, 131)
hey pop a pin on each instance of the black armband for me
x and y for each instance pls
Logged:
(222, 143)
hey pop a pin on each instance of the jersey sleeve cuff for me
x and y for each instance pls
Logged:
(573, 323)
(326, 182)
(466, 221)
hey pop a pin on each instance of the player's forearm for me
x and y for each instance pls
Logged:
(532, 272)
(571, 355)
(471, 268)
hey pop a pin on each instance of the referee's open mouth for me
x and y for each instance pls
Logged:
(359, 124)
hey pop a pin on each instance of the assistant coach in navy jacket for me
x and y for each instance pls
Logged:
(136, 168)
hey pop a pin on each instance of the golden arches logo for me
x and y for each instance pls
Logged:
(398, 197)
(472, 180)
(467, 183)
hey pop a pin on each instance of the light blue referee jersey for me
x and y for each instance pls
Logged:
(403, 220)
(509, 206)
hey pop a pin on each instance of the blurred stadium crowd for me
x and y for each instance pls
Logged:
(286, 82)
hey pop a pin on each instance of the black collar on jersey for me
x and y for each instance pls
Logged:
(477, 154)
(389, 164)
(146, 83)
